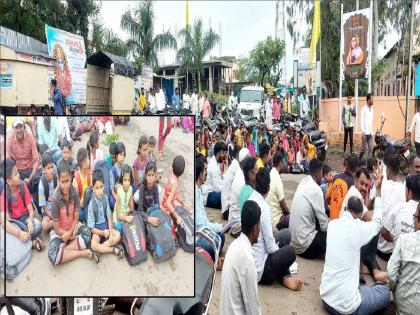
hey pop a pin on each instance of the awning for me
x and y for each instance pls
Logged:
(168, 77)
(122, 66)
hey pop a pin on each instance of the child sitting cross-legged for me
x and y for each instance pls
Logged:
(49, 179)
(124, 203)
(99, 220)
(149, 193)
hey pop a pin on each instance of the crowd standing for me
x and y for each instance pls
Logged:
(345, 219)
(82, 199)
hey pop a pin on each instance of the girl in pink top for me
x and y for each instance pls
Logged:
(206, 108)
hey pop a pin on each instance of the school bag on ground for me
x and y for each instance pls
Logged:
(159, 239)
(134, 240)
(47, 192)
(103, 166)
(18, 253)
(185, 231)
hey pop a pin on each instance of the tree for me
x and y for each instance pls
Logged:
(265, 59)
(196, 45)
(104, 39)
(142, 43)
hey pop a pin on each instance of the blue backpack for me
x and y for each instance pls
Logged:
(160, 241)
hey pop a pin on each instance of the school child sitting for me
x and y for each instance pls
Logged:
(115, 172)
(18, 202)
(47, 184)
(69, 238)
(95, 154)
(171, 197)
(124, 203)
(66, 151)
(151, 155)
(99, 220)
(291, 158)
(302, 160)
(139, 165)
(82, 180)
(111, 157)
(149, 193)
(326, 181)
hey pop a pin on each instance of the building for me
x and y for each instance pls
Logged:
(216, 74)
(25, 67)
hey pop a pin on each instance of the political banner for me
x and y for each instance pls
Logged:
(417, 81)
(355, 44)
(306, 75)
(6, 75)
(69, 51)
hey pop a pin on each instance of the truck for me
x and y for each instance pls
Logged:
(251, 101)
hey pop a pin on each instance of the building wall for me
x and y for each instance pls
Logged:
(394, 124)
(122, 94)
(391, 83)
(98, 91)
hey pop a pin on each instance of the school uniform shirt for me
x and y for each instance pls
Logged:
(266, 243)
(42, 200)
(393, 192)
(201, 219)
(18, 206)
(227, 183)
(214, 182)
(239, 285)
(307, 207)
(112, 179)
(404, 275)
(63, 211)
(102, 214)
(275, 195)
(415, 126)
(340, 279)
(366, 120)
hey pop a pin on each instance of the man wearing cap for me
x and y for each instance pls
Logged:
(21, 147)
(238, 156)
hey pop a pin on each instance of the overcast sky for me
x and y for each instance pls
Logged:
(243, 23)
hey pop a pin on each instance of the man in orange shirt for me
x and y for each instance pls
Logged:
(341, 185)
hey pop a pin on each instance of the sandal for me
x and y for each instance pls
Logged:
(38, 244)
(95, 256)
(120, 253)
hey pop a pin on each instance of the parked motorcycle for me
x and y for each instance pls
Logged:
(402, 148)
(32, 306)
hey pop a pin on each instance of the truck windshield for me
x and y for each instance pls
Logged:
(251, 96)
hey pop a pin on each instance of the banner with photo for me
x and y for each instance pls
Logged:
(69, 51)
(307, 75)
(355, 44)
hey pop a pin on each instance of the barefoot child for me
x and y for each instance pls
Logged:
(171, 197)
(69, 237)
(99, 220)
(18, 202)
(82, 179)
(139, 165)
(45, 193)
(124, 202)
(95, 154)
(149, 193)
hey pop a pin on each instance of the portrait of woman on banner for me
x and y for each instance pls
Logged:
(355, 55)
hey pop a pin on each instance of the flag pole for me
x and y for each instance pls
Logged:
(341, 69)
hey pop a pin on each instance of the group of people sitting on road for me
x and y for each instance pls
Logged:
(82, 199)
(347, 219)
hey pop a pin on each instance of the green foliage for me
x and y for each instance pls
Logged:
(220, 99)
(142, 43)
(197, 43)
(110, 138)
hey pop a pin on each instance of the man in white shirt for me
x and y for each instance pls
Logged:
(194, 103)
(340, 290)
(273, 254)
(415, 126)
(393, 192)
(233, 101)
(239, 293)
(400, 217)
(238, 156)
(212, 191)
(186, 100)
(308, 220)
(268, 112)
(152, 101)
(366, 125)
(304, 103)
(160, 101)
(275, 199)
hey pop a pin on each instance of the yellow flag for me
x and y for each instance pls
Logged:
(186, 17)
(316, 30)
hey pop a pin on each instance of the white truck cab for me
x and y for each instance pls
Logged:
(251, 101)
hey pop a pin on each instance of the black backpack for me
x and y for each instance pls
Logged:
(134, 240)
(185, 232)
(35, 195)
